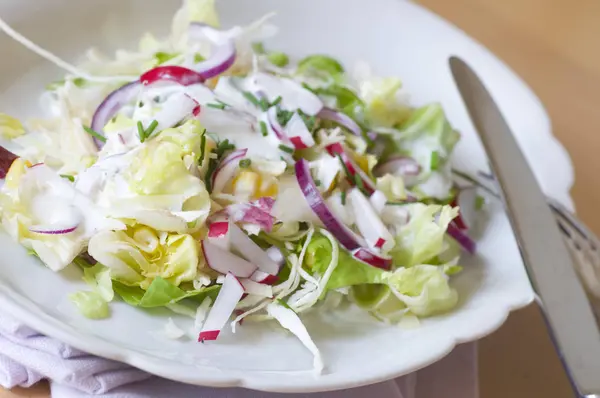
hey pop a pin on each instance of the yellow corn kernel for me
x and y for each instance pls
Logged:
(246, 183)
(268, 187)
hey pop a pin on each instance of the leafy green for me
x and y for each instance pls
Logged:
(90, 304)
(10, 127)
(98, 277)
(321, 65)
(161, 293)
(161, 57)
(278, 58)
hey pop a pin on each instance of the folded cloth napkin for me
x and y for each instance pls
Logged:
(27, 357)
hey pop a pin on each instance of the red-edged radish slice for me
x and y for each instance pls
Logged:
(265, 203)
(256, 288)
(226, 170)
(218, 234)
(262, 277)
(230, 294)
(368, 222)
(311, 193)
(373, 258)
(174, 110)
(242, 244)
(298, 133)
(174, 73)
(353, 169)
(378, 201)
(250, 214)
(225, 262)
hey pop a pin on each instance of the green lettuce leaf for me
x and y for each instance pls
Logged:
(161, 293)
(383, 109)
(10, 127)
(424, 289)
(90, 304)
(348, 272)
(137, 263)
(98, 277)
(422, 239)
(321, 66)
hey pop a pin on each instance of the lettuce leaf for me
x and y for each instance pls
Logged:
(161, 293)
(10, 127)
(383, 109)
(422, 239)
(98, 277)
(90, 304)
(348, 272)
(132, 263)
(321, 66)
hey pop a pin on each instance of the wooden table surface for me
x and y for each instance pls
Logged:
(554, 46)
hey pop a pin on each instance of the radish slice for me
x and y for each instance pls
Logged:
(111, 105)
(223, 54)
(372, 258)
(250, 214)
(256, 288)
(298, 133)
(368, 222)
(174, 110)
(276, 255)
(218, 234)
(353, 169)
(344, 235)
(262, 277)
(466, 201)
(174, 73)
(230, 294)
(225, 262)
(245, 247)
(340, 118)
(378, 201)
(463, 239)
(402, 165)
(226, 170)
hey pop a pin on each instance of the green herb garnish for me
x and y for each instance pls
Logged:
(479, 202)
(276, 101)
(278, 58)
(144, 134)
(198, 58)
(94, 134)
(250, 97)
(397, 203)
(343, 197)
(220, 150)
(68, 177)
(245, 163)
(162, 57)
(435, 160)
(285, 148)
(318, 183)
(216, 106)
(202, 147)
(263, 128)
(309, 121)
(283, 116)
(258, 48)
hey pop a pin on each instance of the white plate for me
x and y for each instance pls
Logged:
(398, 38)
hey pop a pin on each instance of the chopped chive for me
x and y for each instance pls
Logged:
(94, 134)
(479, 202)
(359, 183)
(264, 104)
(263, 128)
(258, 47)
(202, 148)
(343, 197)
(285, 148)
(216, 106)
(141, 131)
(318, 183)
(277, 101)
(348, 174)
(435, 160)
(250, 97)
(307, 87)
(140, 104)
(245, 163)
(79, 82)
(151, 128)
(156, 99)
(68, 177)
(397, 203)
(198, 58)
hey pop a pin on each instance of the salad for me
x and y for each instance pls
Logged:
(212, 175)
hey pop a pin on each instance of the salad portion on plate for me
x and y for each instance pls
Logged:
(219, 178)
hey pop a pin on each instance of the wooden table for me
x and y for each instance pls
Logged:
(553, 45)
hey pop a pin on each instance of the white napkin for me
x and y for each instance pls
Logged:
(27, 357)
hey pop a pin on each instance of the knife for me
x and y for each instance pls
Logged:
(549, 265)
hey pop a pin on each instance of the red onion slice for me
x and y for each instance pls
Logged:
(274, 123)
(262, 277)
(463, 239)
(230, 294)
(343, 234)
(174, 73)
(227, 169)
(340, 118)
(52, 230)
(372, 258)
(6, 160)
(466, 201)
(401, 165)
(225, 262)
(111, 105)
(245, 247)
(353, 169)
(223, 54)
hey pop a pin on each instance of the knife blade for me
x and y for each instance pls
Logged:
(549, 265)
